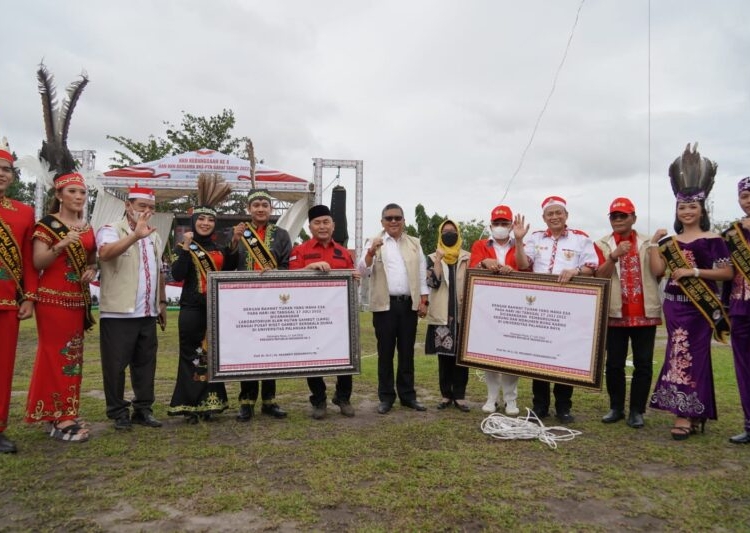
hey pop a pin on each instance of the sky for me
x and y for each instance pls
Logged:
(438, 98)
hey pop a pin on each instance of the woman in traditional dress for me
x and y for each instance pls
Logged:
(696, 258)
(65, 255)
(446, 276)
(194, 397)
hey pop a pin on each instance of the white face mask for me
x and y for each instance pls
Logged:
(499, 232)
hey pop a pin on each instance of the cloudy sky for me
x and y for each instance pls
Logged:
(439, 98)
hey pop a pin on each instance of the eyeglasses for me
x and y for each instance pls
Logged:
(395, 218)
(618, 216)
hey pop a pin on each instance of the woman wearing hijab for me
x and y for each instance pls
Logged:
(194, 397)
(446, 276)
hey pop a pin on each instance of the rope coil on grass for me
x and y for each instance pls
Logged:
(526, 427)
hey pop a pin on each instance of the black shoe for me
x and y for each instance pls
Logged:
(462, 407)
(346, 407)
(565, 417)
(246, 412)
(145, 419)
(540, 412)
(414, 404)
(614, 415)
(635, 420)
(273, 410)
(445, 404)
(384, 407)
(123, 422)
(191, 419)
(7, 445)
(742, 438)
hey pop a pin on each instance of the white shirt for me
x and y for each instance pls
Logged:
(395, 268)
(143, 300)
(572, 249)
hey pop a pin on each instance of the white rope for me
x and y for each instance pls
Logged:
(526, 428)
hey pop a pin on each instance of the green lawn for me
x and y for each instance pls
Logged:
(406, 471)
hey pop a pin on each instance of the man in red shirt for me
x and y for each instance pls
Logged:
(498, 254)
(634, 312)
(18, 282)
(322, 253)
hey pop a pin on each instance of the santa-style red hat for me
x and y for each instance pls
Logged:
(553, 200)
(141, 192)
(5, 151)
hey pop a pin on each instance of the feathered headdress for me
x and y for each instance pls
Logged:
(56, 165)
(212, 190)
(692, 176)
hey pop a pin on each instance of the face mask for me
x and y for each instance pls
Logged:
(450, 238)
(500, 232)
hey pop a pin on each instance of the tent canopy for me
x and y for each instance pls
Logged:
(177, 175)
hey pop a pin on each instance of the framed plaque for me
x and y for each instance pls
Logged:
(531, 325)
(282, 324)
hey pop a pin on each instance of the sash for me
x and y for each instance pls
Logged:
(258, 249)
(697, 290)
(79, 260)
(203, 264)
(739, 250)
(10, 257)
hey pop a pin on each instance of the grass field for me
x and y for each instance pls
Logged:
(406, 471)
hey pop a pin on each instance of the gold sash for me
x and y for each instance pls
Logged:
(739, 250)
(78, 258)
(697, 290)
(257, 248)
(203, 264)
(10, 257)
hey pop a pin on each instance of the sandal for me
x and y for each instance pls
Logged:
(445, 404)
(681, 432)
(71, 433)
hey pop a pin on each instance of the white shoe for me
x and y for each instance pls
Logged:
(489, 407)
(511, 409)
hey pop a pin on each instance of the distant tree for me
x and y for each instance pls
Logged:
(23, 191)
(471, 232)
(192, 134)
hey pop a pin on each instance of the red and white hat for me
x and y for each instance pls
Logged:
(5, 150)
(553, 200)
(501, 212)
(141, 192)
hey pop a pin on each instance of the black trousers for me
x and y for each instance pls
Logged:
(642, 339)
(563, 396)
(128, 342)
(249, 391)
(318, 389)
(453, 378)
(396, 329)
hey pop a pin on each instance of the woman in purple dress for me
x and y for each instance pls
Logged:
(696, 259)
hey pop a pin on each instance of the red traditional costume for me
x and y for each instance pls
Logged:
(60, 311)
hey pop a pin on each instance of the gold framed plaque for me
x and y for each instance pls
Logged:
(532, 325)
(282, 324)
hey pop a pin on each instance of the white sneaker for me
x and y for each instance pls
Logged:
(511, 409)
(489, 407)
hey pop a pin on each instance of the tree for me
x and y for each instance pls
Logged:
(23, 191)
(471, 232)
(192, 134)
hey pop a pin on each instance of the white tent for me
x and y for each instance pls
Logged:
(176, 176)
